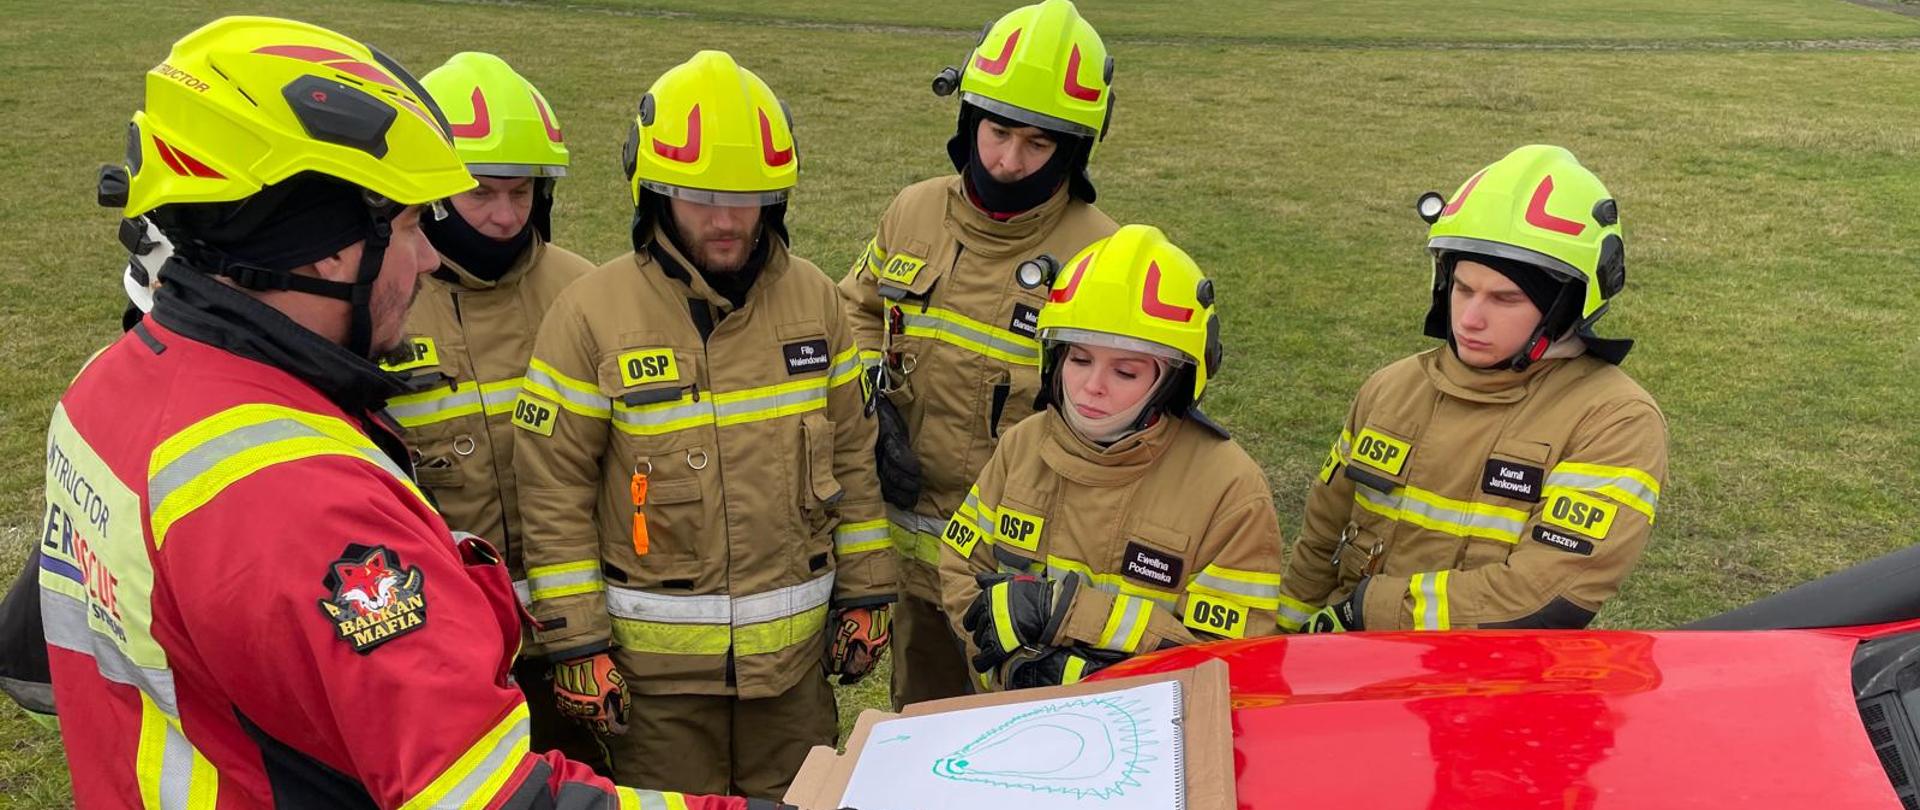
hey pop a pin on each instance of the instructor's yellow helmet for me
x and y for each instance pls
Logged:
(710, 131)
(501, 124)
(1540, 207)
(1135, 290)
(247, 102)
(1043, 65)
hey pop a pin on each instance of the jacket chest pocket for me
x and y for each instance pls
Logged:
(675, 514)
(1156, 558)
(1512, 484)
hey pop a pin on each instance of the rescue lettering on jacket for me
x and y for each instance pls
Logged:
(1220, 617)
(1151, 566)
(533, 414)
(417, 352)
(1381, 452)
(1578, 512)
(373, 599)
(1026, 320)
(648, 366)
(902, 269)
(1510, 479)
(807, 356)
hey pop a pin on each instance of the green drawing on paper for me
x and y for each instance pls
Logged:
(1087, 748)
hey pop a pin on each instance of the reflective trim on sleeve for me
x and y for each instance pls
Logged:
(915, 536)
(1429, 591)
(63, 618)
(193, 466)
(172, 773)
(957, 329)
(862, 537)
(1256, 589)
(579, 396)
(523, 592)
(871, 359)
(1059, 567)
(1430, 511)
(1126, 624)
(846, 367)
(442, 403)
(1292, 613)
(982, 516)
(478, 774)
(1003, 619)
(564, 579)
(1633, 488)
(631, 799)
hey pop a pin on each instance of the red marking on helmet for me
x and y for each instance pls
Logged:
(184, 164)
(1538, 217)
(774, 157)
(998, 64)
(1150, 299)
(687, 152)
(481, 123)
(1454, 206)
(421, 113)
(1065, 294)
(344, 63)
(546, 118)
(1073, 86)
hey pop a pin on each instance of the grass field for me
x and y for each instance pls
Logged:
(1763, 152)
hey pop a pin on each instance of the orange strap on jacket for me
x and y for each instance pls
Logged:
(639, 519)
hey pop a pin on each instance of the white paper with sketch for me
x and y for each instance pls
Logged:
(1120, 749)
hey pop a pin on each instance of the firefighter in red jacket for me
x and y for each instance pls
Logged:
(246, 600)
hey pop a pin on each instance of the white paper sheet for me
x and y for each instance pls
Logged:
(1120, 750)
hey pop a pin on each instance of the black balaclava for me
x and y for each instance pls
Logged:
(1557, 300)
(479, 254)
(1026, 193)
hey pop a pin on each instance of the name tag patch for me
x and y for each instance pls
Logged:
(533, 414)
(1562, 541)
(1578, 512)
(806, 356)
(1026, 320)
(417, 352)
(1219, 617)
(902, 269)
(648, 366)
(1510, 479)
(1381, 452)
(1151, 566)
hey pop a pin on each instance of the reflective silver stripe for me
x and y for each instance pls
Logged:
(649, 799)
(768, 402)
(1466, 520)
(1595, 482)
(176, 769)
(467, 792)
(426, 408)
(1429, 586)
(581, 398)
(1108, 583)
(1263, 593)
(548, 582)
(968, 333)
(64, 620)
(205, 455)
(1291, 616)
(523, 591)
(792, 600)
(980, 519)
(915, 522)
(627, 603)
(861, 536)
(844, 367)
(656, 415)
(1133, 613)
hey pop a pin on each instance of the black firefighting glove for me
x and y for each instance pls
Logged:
(1061, 666)
(898, 467)
(1343, 616)
(1014, 612)
(859, 635)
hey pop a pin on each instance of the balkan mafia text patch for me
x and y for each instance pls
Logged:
(373, 598)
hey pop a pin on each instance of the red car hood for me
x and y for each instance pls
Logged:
(1562, 720)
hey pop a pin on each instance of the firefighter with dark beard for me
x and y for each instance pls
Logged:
(946, 297)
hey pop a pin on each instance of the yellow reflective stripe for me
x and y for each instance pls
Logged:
(669, 638)
(870, 359)
(1430, 609)
(1057, 568)
(1003, 620)
(579, 396)
(1126, 624)
(847, 366)
(193, 466)
(974, 336)
(631, 799)
(909, 541)
(1257, 589)
(784, 399)
(857, 538)
(1428, 510)
(1633, 488)
(659, 418)
(1292, 613)
(171, 773)
(875, 256)
(480, 772)
(779, 634)
(440, 404)
(1076, 670)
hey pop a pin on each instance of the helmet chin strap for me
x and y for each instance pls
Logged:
(1541, 340)
(360, 298)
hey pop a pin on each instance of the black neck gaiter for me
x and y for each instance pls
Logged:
(481, 255)
(1020, 195)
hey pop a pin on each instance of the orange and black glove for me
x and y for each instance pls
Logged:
(592, 691)
(860, 635)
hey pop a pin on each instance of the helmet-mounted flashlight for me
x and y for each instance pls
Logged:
(946, 81)
(1037, 271)
(1430, 205)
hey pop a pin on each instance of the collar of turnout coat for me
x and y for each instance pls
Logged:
(1002, 239)
(1461, 381)
(1087, 464)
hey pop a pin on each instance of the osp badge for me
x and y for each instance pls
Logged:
(374, 599)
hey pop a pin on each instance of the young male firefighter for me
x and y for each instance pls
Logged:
(471, 330)
(695, 460)
(949, 288)
(1119, 520)
(246, 600)
(1511, 477)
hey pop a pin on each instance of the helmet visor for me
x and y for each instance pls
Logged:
(730, 199)
(1461, 244)
(1088, 337)
(515, 170)
(1026, 116)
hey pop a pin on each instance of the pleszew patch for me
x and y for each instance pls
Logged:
(1026, 320)
(1511, 479)
(1563, 541)
(806, 356)
(1151, 566)
(374, 599)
